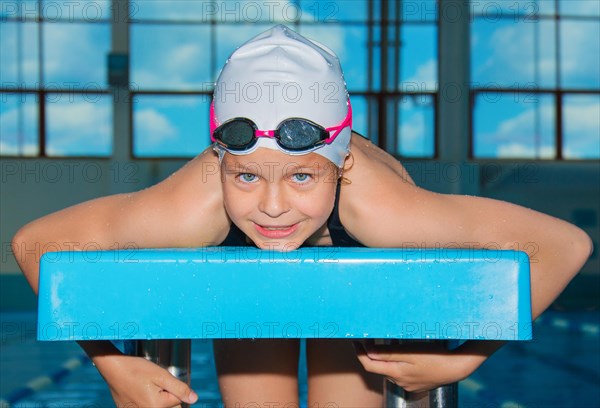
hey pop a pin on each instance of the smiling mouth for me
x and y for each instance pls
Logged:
(276, 231)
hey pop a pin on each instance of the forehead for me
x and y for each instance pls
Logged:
(273, 159)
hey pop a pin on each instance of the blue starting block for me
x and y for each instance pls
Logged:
(320, 292)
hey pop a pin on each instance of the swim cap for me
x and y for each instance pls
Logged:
(278, 75)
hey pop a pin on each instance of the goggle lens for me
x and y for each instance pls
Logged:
(296, 134)
(237, 134)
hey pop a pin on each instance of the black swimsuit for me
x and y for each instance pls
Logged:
(339, 236)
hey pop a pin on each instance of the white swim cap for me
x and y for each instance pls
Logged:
(278, 75)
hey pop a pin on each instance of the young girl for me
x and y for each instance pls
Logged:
(285, 171)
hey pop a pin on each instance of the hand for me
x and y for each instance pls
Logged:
(416, 366)
(136, 382)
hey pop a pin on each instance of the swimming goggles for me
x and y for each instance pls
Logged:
(294, 135)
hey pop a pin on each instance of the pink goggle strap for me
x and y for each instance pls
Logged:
(347, 122)
(271, 133)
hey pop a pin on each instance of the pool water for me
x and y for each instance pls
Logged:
(559, 368)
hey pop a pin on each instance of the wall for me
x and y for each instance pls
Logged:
(31, 188)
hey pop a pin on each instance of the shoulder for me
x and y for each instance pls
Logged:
(381, 205)
(189, 203)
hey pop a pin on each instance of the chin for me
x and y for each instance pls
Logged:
(278, 246)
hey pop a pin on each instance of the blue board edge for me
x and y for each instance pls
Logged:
(249, 256)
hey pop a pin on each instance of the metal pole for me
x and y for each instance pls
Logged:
(174, 355)
(445, 396)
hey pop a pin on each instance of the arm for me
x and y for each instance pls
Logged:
(184, 210)
(414, 216)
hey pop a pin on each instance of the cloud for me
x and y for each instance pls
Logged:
(153, 127)
(74, 126)
(507, 61)
(510, 53)
(515, 136)
(348, 43)
(425, 77)
(587, 8)
(75, 53)
(513, 150)
(523, 123)
(173, 57)
(220, 11)
(79, 127)
(9, 130)
(579, 61)
(583, 117)
(332, 36)
(86, 118)
(27, 149)
(10, 118)
(582, 128)
(415, 137)
(169, 10)
(412, 131)
(29, 54)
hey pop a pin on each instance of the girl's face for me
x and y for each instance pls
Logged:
(278, 200)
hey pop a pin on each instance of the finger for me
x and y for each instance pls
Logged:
(177, 388)
(417, 347)
(385, 368)
(386, 353)
(378, 354)
(169, 400)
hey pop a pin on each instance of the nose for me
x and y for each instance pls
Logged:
(273, 201)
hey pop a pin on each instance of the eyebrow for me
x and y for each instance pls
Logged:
(238, 167)
(312, 166)
(302, 165)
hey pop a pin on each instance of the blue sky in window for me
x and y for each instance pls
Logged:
(418, 59)
(75, 55)
(581, 126)
(19, 68)
(503, 56)
(18, 124)
(178, 57)
(53, 10)
(349, 41)
(156, 133)
(513, 125)
(170, 57)
(416, 133)
(78, 125)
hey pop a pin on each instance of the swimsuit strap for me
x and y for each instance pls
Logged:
(235, 237)
(339, 236)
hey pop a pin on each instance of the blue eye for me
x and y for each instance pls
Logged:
(247, 177)
(301, 177)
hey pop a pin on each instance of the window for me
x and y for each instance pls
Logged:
(178, 48)
(55, 99)
(536, 84)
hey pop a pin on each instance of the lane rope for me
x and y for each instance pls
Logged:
(43, 381)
